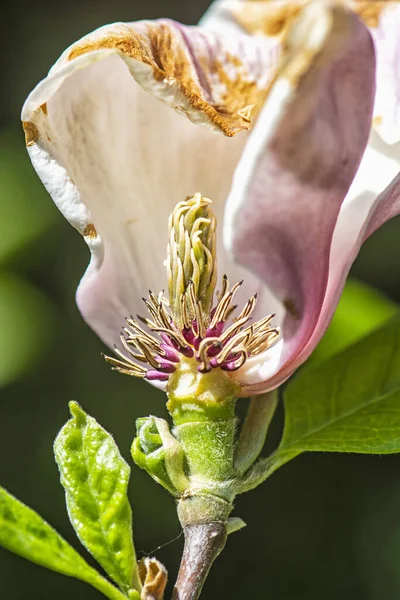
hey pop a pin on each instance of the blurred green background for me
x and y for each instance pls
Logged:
(325, 526)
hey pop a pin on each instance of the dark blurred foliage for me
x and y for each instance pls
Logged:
(325, 526)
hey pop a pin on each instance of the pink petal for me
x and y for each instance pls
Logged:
(361, 215)
(295, 173)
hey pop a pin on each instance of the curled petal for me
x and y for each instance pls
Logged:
(363, 212)
(272, 19)
(116, 159)
(296, 170)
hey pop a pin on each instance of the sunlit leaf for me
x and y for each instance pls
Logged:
(349, 403)
(361, 310)
(95, 478)
(25, 533)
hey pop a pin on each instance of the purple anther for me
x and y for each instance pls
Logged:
(170, 353)
(165, 365)
(216, 330)
(196, 342)
(230, 366)
(156, 376)
(214, 363)
(188, 335)
(214, 349)
(186, 351)
(167, 340)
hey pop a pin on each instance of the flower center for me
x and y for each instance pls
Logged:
(189, 324)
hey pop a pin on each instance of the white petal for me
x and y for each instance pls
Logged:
(116, 160)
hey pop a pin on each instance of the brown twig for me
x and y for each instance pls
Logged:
(203, 543)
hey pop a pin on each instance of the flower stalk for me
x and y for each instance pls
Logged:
(202, 406)
(203, 543)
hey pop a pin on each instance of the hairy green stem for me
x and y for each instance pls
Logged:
(208, 446)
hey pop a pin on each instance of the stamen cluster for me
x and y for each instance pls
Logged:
(187, 325)
(206, 338)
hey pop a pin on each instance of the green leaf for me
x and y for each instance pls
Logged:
(362, 309)
(350, 403)
(95, 478)
(24, 532)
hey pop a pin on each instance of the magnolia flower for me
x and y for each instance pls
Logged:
(266, 108)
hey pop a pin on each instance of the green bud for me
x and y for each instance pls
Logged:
(148, 452)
